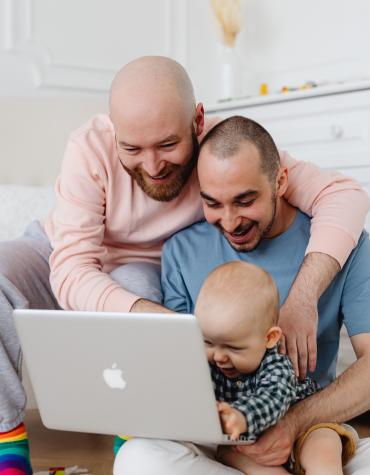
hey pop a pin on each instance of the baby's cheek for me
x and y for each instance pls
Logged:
(209, 355)
(241, 362)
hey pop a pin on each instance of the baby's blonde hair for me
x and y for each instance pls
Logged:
(248, 289)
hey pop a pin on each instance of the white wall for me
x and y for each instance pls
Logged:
(282, 42)
(52, 44)
(34, 132)
(57, 59)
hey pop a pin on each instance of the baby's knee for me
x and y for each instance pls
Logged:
(323, 437)
(322, 448)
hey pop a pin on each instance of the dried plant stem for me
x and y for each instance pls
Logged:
(228, 14)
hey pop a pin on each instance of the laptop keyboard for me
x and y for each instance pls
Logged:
(241, 438)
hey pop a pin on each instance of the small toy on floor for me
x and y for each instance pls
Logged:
(65, 471)
(56, 471)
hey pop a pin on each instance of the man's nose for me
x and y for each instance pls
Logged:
(230, 222)
(152, 164)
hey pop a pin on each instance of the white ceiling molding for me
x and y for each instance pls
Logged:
(61, 64)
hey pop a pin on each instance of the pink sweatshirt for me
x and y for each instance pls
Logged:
(102, 219)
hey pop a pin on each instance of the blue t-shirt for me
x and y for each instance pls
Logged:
(190, 255)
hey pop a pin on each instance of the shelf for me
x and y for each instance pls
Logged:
(324, 90)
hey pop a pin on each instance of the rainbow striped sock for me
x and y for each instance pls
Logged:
(119, 440)
(15, 452)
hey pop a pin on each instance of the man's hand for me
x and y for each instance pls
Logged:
(233, 421)
(298, 315)
(273, 447)
(299, 332)
(144, 305)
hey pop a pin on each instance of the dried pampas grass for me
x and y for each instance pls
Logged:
(228, 13)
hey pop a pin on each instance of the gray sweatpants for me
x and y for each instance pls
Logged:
(24, 283)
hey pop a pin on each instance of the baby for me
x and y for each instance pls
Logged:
(238, 309)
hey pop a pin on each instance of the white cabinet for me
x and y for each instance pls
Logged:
(329, 128)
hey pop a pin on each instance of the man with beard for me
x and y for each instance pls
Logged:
(127, 183)
(243, 184)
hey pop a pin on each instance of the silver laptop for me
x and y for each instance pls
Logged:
(144, 375)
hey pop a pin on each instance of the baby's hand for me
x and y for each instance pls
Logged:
(233, 421)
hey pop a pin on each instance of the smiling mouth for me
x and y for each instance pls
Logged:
(228, 371)
(161, 177)
(242, 236)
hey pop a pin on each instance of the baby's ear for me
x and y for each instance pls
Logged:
(273, 336)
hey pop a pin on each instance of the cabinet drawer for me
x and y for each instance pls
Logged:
(332, 131)
(339, 139)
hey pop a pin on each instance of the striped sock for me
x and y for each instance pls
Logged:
(14, 452)
(119, 440)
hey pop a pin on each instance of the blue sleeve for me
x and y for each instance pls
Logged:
(355, 302)
(175, 294)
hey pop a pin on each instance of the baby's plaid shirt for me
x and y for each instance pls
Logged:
(265, 395)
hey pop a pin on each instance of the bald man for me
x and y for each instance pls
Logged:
(128, 183)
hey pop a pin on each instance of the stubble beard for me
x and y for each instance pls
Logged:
(262, 234)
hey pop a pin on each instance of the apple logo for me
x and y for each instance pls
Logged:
(113, 377)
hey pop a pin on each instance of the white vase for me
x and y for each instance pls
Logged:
(229, 73)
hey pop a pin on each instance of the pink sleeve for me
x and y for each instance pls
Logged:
(338, 206)
(76, 231)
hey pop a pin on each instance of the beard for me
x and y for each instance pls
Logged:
(180, 174)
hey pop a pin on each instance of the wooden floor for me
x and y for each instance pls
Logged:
(50, 448)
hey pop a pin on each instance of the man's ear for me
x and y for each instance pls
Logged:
(281, 181)
(199, 119)
(273, 336)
